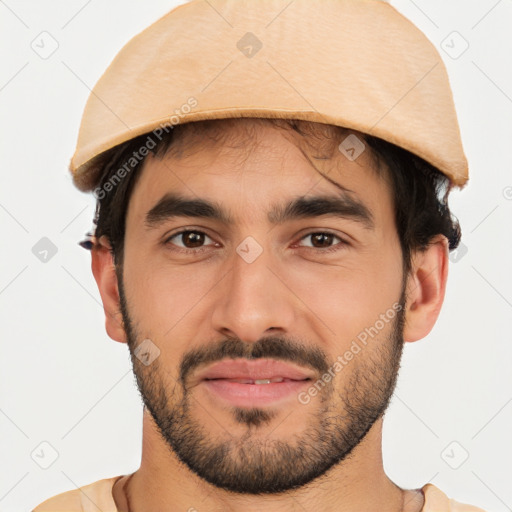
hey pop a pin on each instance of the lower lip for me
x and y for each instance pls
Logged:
(252, 395)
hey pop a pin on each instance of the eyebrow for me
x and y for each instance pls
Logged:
(344, 206)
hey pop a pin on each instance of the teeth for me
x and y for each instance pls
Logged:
(257, 381)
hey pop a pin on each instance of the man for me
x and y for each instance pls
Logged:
(272, 226)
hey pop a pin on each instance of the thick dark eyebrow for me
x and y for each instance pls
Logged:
(345, 206)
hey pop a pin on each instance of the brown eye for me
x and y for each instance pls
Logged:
(323, 241)
(187, 239)
(192, 239)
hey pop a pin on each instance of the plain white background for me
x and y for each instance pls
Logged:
(65, 384)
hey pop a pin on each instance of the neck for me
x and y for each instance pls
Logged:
(358, 483)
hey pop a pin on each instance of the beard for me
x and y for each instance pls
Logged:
(251, 463)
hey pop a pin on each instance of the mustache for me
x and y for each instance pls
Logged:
(270, 347)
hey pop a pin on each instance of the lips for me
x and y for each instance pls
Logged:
(258, 381)
(259, 371)
(253, 383)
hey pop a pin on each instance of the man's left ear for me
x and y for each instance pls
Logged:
(426, 286)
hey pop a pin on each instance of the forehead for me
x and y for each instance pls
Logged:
(247, 162)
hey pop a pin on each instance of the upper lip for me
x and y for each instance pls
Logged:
(253, 369)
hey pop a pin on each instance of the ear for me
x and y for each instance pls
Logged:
(103, 269)
(426, 287)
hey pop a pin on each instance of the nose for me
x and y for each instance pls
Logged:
(254, 299)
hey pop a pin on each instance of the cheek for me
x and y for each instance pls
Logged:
(162, 297)
(345, 300)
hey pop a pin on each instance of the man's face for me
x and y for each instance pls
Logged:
(231, 305)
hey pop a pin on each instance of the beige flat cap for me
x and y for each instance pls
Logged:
(359, 64)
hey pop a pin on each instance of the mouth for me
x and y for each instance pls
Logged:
(253, 383)
(261, 381)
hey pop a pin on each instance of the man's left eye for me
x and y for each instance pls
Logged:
(323, 238)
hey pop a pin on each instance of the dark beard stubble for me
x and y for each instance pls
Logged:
(268, 466)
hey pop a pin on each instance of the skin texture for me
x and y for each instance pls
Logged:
(295, 300)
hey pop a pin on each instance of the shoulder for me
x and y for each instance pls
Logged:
(437, 501)
(94, 496)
